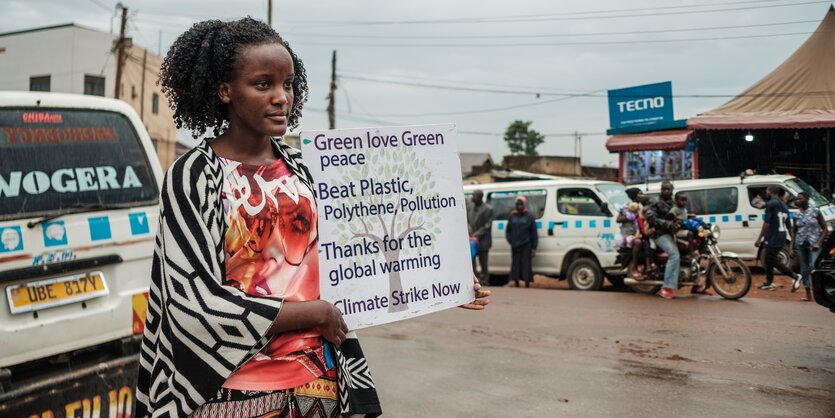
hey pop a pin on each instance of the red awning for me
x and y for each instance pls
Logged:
(650, 141)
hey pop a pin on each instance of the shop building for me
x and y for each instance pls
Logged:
(783, 124)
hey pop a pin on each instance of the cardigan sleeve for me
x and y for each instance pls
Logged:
(198, 330)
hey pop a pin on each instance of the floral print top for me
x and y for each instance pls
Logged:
(808, 228)
(271, 249)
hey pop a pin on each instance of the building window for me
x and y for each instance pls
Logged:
(93, 85)
(39, 83)
(155, 103)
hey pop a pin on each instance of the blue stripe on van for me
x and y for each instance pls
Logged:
(99, 228)
(607, 223)
(578, 224)
(54, 233)
(726, 218)
(565, 225)
(538, 224)
(139, 224)
(712, 219)
(592, 223)
(501, 226)
(11, 239)
(738, 218)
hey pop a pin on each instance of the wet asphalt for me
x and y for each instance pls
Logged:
(559, 353)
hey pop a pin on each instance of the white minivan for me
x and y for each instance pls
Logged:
(79, 190)
(576, 222)
(734, 205)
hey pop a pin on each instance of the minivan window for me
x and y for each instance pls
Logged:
(797, 185)
(712, 201)
(505, 202)
(579, 202)
(615, 193)
(54, 160)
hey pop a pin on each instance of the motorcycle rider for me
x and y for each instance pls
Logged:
(660, 217)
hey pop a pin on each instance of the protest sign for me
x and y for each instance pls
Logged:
(393, 240)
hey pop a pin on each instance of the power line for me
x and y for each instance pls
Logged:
(559, 17)
(103, 6)
(499, 45)
(558, 35)
(459, 82)
(465, 132)
(585, 94)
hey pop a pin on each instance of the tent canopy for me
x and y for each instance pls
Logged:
(649, 141)
(800, 93)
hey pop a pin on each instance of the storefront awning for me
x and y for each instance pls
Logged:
(650, 141)
(797, 94)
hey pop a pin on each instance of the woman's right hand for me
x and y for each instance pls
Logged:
(331, 324)
(318, 314)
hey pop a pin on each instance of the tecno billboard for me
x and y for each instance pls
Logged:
(641, 105)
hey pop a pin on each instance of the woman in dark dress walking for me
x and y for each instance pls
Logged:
(521, 234)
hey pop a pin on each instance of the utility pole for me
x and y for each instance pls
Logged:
(142, 88)
(270, 13)
(332, 95)
(120, 50)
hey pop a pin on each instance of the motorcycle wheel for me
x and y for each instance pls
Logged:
(649, 289)
(738, 282)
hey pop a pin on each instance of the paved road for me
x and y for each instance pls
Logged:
(555, 353)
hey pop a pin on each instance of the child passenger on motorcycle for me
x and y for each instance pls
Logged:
(681, 215)
(630, 230)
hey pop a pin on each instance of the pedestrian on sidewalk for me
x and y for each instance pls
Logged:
(480, 222)
(522, 237)
(808, 234)
(773, 236)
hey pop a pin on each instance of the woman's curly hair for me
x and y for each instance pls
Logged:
(203, 57)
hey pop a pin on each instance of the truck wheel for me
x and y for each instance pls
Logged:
(584, 274)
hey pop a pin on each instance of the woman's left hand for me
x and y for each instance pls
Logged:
(481, 297)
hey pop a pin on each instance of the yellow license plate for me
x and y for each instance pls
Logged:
(49, 293)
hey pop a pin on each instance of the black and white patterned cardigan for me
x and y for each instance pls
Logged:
(198, 331)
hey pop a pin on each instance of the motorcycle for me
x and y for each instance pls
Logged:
(700, 256)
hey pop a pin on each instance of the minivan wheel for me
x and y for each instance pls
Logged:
(785, 257)
(584, 274)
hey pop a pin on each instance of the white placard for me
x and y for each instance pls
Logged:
(393, 240)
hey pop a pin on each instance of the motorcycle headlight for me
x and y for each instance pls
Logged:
(714, 230)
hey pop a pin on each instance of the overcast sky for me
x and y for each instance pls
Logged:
(479, 64)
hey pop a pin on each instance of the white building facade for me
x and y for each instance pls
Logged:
(74, 59)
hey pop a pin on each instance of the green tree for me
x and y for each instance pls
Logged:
(521, 139)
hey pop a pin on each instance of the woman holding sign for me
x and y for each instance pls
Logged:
(235, 326)
(522, 237)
